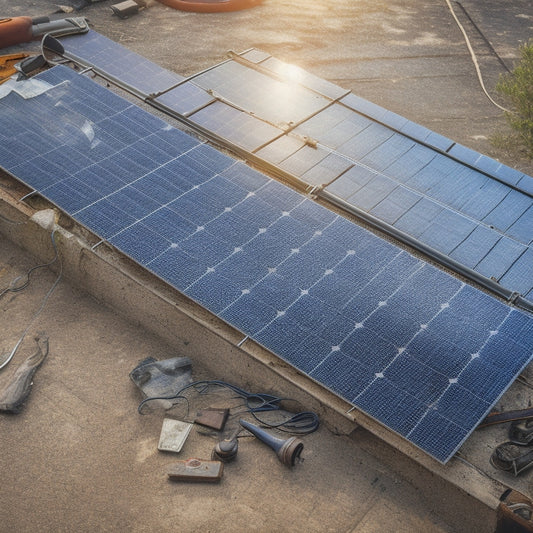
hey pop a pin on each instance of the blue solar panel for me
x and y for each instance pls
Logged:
(418, 350)
(111, 59)
(250, 101)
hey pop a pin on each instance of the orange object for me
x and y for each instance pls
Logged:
(211, 6)
(15, 30)
(7, 65)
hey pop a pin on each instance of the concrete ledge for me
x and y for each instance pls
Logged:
(465, 496)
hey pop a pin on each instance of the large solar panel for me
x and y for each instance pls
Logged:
(451, 200)
(420, 351)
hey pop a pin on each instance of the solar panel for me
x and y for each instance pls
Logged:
(418, 350)
(332, 136)
(111, 59)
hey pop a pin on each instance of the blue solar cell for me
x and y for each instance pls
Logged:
(443, 356)
(326, 170)
(275, 291)
(372, 193)
(243, 270)
(520, 327)
(268, 250)
(358, 314)
(500, 259)
(457, 395)
(507, 174)
(235, 126)
(366, 141)
(104, 218)
(280, 149)
(388, 152)
(395, 205)
(519, 275)
(231, 228)
(177, 267)
(522, 228)
(351, 181)
(203, 245)
(301, 270)
(420, 306)
(245, 177)
(112, 59)
(257, 213)
(214, 292)
(343, 374)
(422, 381)
(140, 243)
(438, 141)
(200, 214)
(336, 327)
(307, 158)
(433, 432)
(185, 98)
(464, 154)
(509, 210)
(526, 184)
(309, 312)
(282, 336)
(396, 327)
(170, 225)
(291, 231)
(159, 188)
(398, 409)
(34, 174)
(71, 194)
(309, 353)
(369, 348)
(365, 107)
(475, 247)
(133, 202)
(410, 163)
(248, 314)
(447, 231)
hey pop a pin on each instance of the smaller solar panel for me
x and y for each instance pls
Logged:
(111, 59)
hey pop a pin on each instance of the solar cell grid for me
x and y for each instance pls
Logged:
(357, 314)
(271, 92)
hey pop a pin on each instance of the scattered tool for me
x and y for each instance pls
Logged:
(196, 470)
(288, 450)
(212, 418)
(18, 30)
(226, 450)
(174, 433)
(127, 8)
(7, 65)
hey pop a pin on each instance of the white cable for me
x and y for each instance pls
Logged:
(474, 59)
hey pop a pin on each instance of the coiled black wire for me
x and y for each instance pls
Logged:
(299, 423)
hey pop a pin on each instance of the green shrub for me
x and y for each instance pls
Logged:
(517, 88)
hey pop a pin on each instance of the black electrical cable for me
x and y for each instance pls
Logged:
(304, 422)
(43, 303)
(17, 288)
